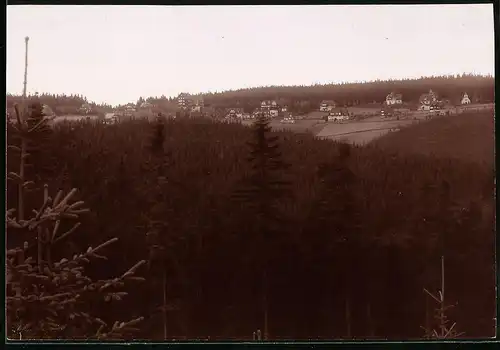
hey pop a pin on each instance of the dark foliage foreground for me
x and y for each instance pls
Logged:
(344, 247)
(468, 136)
(49, 296)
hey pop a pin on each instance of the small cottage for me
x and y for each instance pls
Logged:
(337, 114)
(394, 99)
(273, 112)
(327, 105)
(129, 110)
(235, 113)
(428, 98)
(267, 104)
(184, 100)
(85, 108)
(465, 99)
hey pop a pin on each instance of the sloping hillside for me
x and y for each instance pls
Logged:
(469, 136)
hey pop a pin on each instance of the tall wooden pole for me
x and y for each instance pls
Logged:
(26, 39)
(20, 190)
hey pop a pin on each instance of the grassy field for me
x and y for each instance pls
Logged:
(360, 132)
(468, 136)
(356, 132)
(73, 118)
(370, 128)
(361, 137)
(300, 126)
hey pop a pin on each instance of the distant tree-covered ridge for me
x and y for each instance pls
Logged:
(305, 98)
(62, 104)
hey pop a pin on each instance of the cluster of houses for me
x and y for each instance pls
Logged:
(393, 105)
(190, 103)
(329, 109)
(271, 109)
(85, 109)
(334, 113)
(268, 108)
(195, 105)
(130, 110)
(427, 101)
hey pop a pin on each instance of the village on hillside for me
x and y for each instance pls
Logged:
(188, 105)
(329, 110)
(353, 122)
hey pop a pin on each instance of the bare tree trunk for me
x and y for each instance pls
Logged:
(266, 329)
(20, 188)
(40, 234)
(164, 282)
(442, 306)
(427, 316)
(348, 317)
(46, 235)
(20, 191)
(371, 331)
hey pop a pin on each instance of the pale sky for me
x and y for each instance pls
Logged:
(116, 54)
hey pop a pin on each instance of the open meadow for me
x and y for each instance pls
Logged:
(371, 128)
(361, 132)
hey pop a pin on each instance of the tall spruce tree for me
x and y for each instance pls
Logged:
(335, 225)
(40, 161)
(159, 234)
(261, 192)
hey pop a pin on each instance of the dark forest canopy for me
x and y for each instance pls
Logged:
(60, 103)
(304, 98)
(406, 212)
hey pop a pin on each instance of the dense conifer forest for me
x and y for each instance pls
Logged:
(303, 99)
(219, 230)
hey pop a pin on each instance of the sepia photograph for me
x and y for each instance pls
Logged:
(241, 173)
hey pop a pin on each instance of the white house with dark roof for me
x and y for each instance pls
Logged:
(234, 113)
(184, 100)
(85, 108)
(338, 114)
(327, 105)
(197, 104)
(394, 99)
(429, 98)
(267, 104)
(465, 99)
